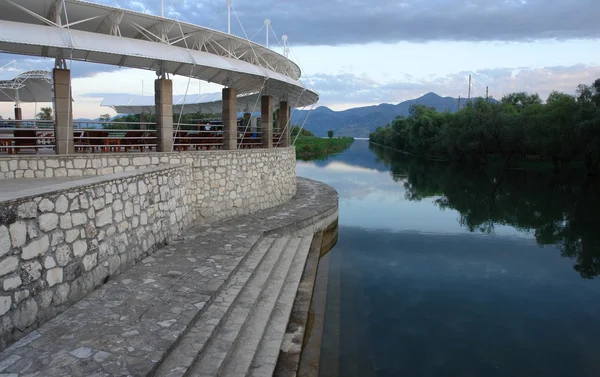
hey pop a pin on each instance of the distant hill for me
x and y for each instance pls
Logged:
(83, 123)
(360, 121)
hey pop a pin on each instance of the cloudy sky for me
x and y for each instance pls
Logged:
(358, 53)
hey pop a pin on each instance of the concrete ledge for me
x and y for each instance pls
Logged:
(48, 187)
(81, 165)
(131, 323)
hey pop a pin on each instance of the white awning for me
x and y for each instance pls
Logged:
(190, 104)
(108, 35)
(29, 86)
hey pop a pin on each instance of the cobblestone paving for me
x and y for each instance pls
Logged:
(130, 324)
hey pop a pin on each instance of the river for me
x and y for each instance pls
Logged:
(443, 271)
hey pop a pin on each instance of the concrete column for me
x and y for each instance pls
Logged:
(143, 118)
(18, 113)
(163, 99)
(283, 118)
(63, 112)
(229, 117)
(266, 121)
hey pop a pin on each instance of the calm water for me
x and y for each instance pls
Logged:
(443, 272)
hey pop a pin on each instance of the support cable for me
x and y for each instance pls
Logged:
(244, 30)
(189, 78)
(305, 119)
(69, 123)
(289, 120)
(254, 109)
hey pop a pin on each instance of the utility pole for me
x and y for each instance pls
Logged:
(228, 16)
(267, 26)
(469, 98)
(486, 93)
(285, 49)
(458, 109)
(162, 8)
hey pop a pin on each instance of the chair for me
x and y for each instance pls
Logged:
(181, 141)
(25, 138)
(134, 139)
(6, 139)
(93, 139)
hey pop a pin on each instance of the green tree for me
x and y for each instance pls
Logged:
(521, 100)
(303, 132)
(45, 113)
(518, 128)
(330, 134)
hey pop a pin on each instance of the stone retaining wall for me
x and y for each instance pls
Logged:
(57, 246)
(93, 164)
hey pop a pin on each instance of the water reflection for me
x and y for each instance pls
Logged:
(557, 210)
(440, 271)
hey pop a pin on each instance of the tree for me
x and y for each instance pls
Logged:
(564, 129)
(45, 113)
(303, 132)
(330, 134)
(105, 118)
(521, 100)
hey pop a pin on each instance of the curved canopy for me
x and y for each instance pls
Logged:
(190, 104)
(115, 36)
(30, 86)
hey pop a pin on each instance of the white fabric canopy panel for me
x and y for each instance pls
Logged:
(190, 104)
(109, 35)
(29, 86)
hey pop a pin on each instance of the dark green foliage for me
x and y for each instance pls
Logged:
(330, 134)
(296, 129)
(556, 209)
(316, 148)
(45, 113)
(520, 127)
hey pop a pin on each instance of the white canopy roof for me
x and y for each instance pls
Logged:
(115, 36)
(29, 86)
(192, 103)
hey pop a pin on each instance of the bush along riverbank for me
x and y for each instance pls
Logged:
(315, 148)
(518, 131)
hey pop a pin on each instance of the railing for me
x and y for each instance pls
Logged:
(16, 135)
(100, 136)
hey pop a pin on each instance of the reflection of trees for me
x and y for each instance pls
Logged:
(558, 210)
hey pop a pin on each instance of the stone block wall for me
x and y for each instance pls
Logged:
(237, 184)
(229, 183)
(94, 164)
(55, 248)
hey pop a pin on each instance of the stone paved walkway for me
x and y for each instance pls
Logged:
(129, 326)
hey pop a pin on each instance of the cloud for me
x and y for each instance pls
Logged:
(350, 88)
(318, 22)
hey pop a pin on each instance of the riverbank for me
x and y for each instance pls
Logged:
(314, 148)
(537, 163)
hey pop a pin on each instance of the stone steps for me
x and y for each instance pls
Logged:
(267, 352)
(201, 330)
(166, 312)
(234, 345)
(240, 358)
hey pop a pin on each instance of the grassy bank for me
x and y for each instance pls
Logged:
(314, 148)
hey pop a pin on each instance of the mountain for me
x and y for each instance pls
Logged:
(360, 121)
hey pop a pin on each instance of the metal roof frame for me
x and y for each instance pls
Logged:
(85, 31)
(29, 86)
